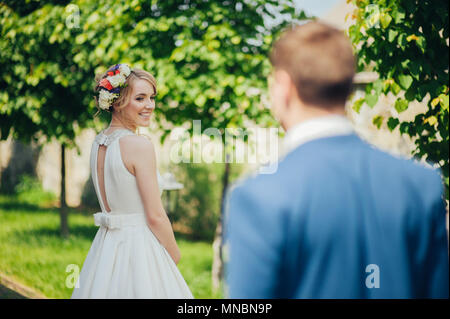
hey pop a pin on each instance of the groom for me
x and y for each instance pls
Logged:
(339, 218)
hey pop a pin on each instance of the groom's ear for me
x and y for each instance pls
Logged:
(286, 87)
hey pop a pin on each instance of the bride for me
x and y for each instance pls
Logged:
(134, 253)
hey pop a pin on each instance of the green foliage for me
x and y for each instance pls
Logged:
(406, 43)
(29, 190)
(378, 121)
(42, 91)
(205, 54)
(197, 205)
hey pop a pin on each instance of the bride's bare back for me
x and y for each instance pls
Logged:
(127, 156)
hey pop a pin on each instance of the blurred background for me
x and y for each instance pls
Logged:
(210, 59)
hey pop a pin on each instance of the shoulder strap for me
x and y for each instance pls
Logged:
(106, 140)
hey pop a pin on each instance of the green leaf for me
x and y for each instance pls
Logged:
(371, 100)
(392, 34)
(386, 86)
(236, 39)
(399, 16)
(378, 86)
(405, 64)
(405, 81)
(354, 33)
(405, 127)
(177, 55)
(410, 94)
(378, 121)
(401, 105)
(432, 120)
(213, 44)
(385, 20)
(401, 41)
(422, 91)
(444, 102)
(358, 104)
(435, 102)
(421, 42)
(395, 88)
(368, 88)
(392, 123)
(415, 69)
(200, 100)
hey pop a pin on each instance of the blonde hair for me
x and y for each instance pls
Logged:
(125, 92)
(320, 61)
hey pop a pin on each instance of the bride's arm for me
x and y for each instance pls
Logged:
(147, 182)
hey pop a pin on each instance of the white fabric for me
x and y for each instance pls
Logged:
(315, 128)
(125, 260)
(118, 221)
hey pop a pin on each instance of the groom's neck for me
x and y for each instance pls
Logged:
(302, 113)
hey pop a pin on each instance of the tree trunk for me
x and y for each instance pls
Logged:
(217, 266)
(63, 206)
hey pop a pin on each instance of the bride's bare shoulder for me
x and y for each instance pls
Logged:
(137, 151)
(137, 146)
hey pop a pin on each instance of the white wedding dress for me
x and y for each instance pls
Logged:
(125, 260)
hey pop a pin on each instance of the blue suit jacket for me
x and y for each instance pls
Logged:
(339, 219)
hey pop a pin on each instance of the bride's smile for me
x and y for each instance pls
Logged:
(142, 103)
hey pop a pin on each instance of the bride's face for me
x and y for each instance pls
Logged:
(142, 103)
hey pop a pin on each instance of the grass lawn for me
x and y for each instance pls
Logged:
(33, 253)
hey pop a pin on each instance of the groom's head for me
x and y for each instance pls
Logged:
(313, 69)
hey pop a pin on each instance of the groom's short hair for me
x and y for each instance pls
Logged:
(320, 61)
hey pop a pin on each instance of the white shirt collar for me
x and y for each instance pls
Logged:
(320, 127)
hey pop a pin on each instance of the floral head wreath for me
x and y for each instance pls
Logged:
(111, 85)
